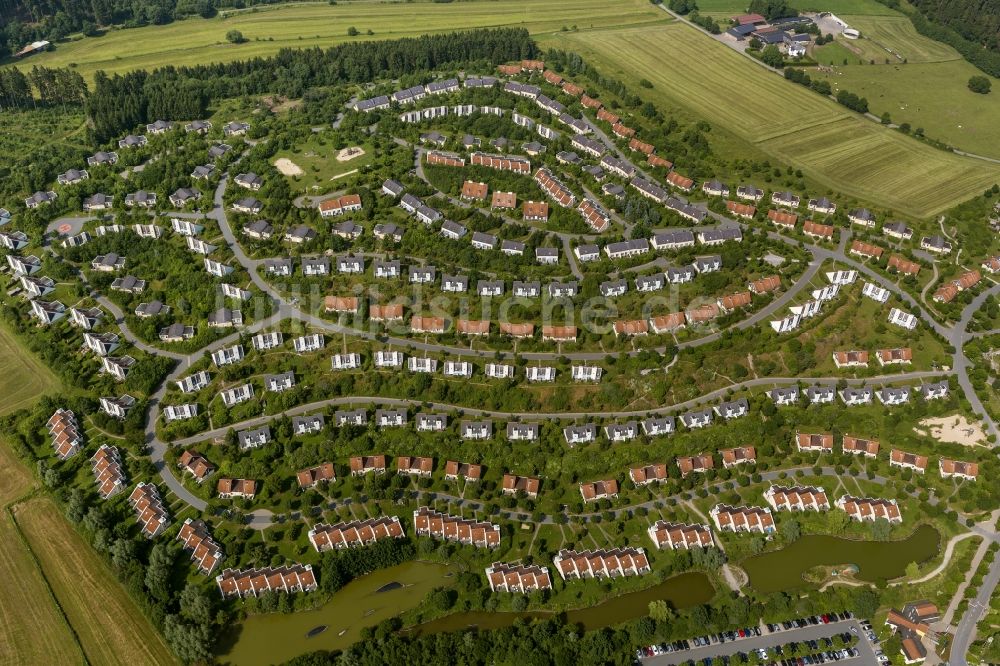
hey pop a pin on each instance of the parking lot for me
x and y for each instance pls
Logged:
(769, 639)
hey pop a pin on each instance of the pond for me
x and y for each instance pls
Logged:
(277, 637)
(682, 591)
(783, 569)
(274, 637)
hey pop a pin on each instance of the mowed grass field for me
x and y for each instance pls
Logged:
(26, 377)
(829, 143)
(32, 630)
(195, 41)
(924, 83)
(109, 627)
(898, 34)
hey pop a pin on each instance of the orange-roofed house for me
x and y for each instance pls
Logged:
(817, 230)
(599, 490)
(821, 442)
(625, 327)
(741, 210)
(559, 333)
(393, 312)
(535, 211)
(473, 326)
(860, 446)
(738, 456)
(341, 304)
(866, 250)
(765, 285)
(420, 324)
(590, 102)
(735, 301)
(473, 191)
(313, 476)
(782, 219)
(963, 470)
(642, 476)
(513, 484)
(682, 183)
(361, 465)
(897, 356)
(517, 330)
(699, 463)
(641, 147)
(850, 359)
(902, 265)
(702, 314)
(505, 200)
(667, 323)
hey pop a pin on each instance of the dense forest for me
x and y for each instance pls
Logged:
(971, 27)
(975, 20)
(24, 21)
(122, 102)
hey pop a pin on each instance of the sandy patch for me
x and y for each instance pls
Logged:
(348, 154)
(955, 430)
(344, 175)
(287, 167)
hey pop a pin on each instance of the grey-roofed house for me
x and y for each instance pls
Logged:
(697, 418)
(248, 205)
(259, 229)
(300, 234)
(453, 283)
(612, 288)
(483, 241)
(657, 426)
(733, 409)
(351, 264)
(350, 417)
(108, 263)
(128, 284)
(151, 309)
(305, 425)
(673, 239)
(225, 318)
(820, 394)
(235, 128)
(522, 432)
(183, 196)
(562, 289)
(98, 201)
(316, 266)
(283, 266)
(392, 188)
(101, 157)
(387, 269)
(388, 231)
(159, 127)
(490, 287)
(142, 198)
(132, 141)
(251, 439)
(787, 395)
(203, 171)
(198, 126)
(421, 274)
(647, 283)
(708, 264)
(249, 180)
(218, 150)
(39, 198)
(522, 289)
